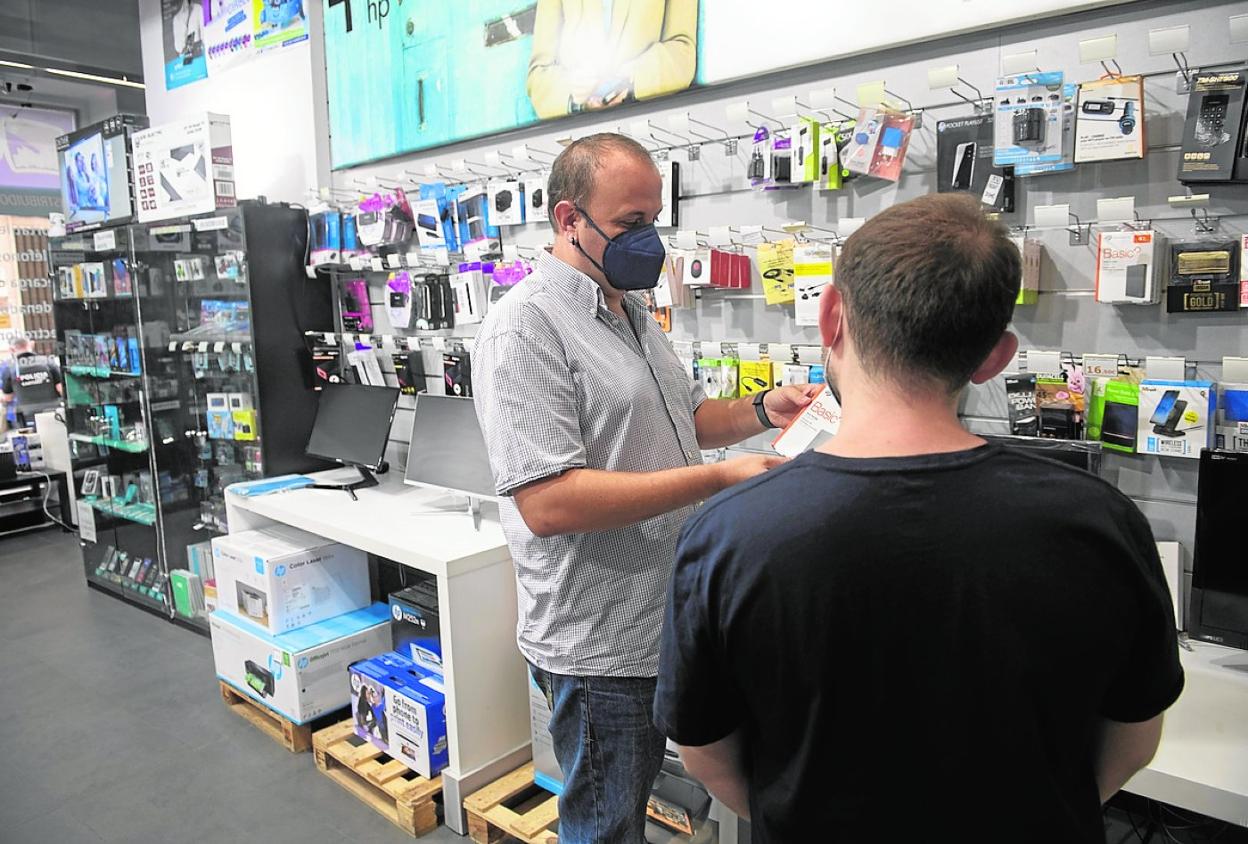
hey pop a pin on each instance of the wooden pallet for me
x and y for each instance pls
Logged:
(513, 805)
(392, 789)
(297, 738)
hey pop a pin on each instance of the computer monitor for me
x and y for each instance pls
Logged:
(352, 426)
(447, 450)
(1219, 603)
(1081, 454)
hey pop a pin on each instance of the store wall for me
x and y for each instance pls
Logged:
(1067, 318)
(271, 102)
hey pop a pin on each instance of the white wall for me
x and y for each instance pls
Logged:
(270, 101)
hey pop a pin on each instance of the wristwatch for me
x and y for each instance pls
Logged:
(762, 411)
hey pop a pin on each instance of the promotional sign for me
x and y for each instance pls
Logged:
(29, 182)
(279, 23)
(229, 33)
(182, 29)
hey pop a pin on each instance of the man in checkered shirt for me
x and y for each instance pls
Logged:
(595, 433)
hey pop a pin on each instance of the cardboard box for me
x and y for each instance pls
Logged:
(1176, 418)
(1027, 125)
(401, 709)
(282, 578)
(1127, 267)
(1109, 121)
(298, 674)
(183, 168)
(964, 163)
(415, 626)
(1213, 132)
(816, 424)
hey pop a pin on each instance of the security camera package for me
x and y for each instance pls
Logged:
(1109, 120)
(1127, 267)
(1213, 135)
(1204, 276)
(1028, 119)
(535, 199)
(1176, 418)
(184, 168)
(964, 163)
(505, 206)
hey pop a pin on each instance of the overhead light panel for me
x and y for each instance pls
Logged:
(109, 80)
(17, 64)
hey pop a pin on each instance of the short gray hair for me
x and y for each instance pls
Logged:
(572, 175)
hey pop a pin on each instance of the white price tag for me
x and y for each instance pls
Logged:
(782, 352)
(1100, 366)
(237, 347)
(86, 522)
(749, 351)
(211, 224)
(356, 263)
(328, 337)
(942, 77)
(720, 236)
(871, 93)
(1052, 216)
(392, 261)
(105, 240)
(1119, 209)
(1044, 363)
(511, 252)
(439, 344)
(413, 344)
(377, 265)
(686, 239)
(173, 347)
(188, 346)
(442, 256)
(849, 225)
(413, 259)
(203, 346)
(219, 347)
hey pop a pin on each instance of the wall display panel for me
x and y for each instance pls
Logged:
(407, 78)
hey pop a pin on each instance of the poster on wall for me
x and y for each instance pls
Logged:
(182, 25)
(410, 76)
(229, 33)
(280, 23)
(29, 178)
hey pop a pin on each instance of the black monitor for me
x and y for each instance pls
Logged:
(1082, 454)
(1219, 604)
(353, 427)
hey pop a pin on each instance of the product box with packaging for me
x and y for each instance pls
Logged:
(1243, 271)
(1109, 121)
(282, 578)
(1176, 418)
(817, 423)
(415, 630)
(1027, 126)
(1232, 429)
(297, 674)
(401, 710)
(1212, 149)
(506, 204)
(1032, 252)
(1128, 267)
(183, 168)
(546, 770)
(964, 163)
(1113, 413)
(1204, 276)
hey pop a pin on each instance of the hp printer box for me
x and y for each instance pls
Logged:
(282, 578)
(414, 625)
(401, 709)
(298, 674)
(184, 168)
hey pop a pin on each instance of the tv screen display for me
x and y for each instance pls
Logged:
(95, 174)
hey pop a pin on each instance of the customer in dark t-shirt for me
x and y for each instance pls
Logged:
(910, 629)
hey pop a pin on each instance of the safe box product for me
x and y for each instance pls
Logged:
(281, 578)
(1176, 418)
(297, 674)
(183, 168)
(1204, 276)
(1214, 132)
(964, 163)
(401, 709)
(1109, 120)
(1127, 267)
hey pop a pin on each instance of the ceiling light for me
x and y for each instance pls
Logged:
(94, 78)
(17, 64)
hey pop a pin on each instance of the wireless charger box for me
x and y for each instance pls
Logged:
(184, 168)
(281, 578)
(401, 709)
(1127, 267)
(298, 674)
(1176, 418)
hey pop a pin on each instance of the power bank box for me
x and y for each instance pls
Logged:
(298, 674)
(964, 163)
(1118, 409)
(1127, 267)
(183, 168)
(401, 710)
(281, 578)
(1204, 276)
(1109, 120)
(1214, 131)
(415, 630)
(1176, 418)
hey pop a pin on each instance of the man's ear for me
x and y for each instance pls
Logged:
(998, 359)
(566, 216)
(831, 313)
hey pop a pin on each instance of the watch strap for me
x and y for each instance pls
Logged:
(761, 411)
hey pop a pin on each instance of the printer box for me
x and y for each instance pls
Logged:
(298, 674)
(1176, 418)
(414, 625)
(546, 770)
(282, 578)
(1127, 267)
(401, 709)
(183, 168)
(1214, 130)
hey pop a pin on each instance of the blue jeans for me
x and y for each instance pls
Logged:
(609, 752)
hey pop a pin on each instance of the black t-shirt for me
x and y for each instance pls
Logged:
(33, 378)
(918, 643)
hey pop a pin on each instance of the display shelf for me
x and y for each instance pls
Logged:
(109, 442)
(126, 588)
(243, 337)
(143, 514)
(100, 372)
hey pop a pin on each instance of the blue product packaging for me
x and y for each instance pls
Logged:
(401, 710)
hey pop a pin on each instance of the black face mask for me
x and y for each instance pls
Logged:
(633, 259)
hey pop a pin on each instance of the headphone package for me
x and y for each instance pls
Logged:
(1109, 120)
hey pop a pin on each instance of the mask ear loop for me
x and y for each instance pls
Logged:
(576, 243)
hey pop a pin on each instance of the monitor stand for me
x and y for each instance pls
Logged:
(367, 479)
(468, 505)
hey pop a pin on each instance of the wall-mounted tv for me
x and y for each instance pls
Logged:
(94, 164)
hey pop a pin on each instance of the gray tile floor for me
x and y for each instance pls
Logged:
(112, 728)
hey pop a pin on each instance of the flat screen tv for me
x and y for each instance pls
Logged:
(94, 165)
